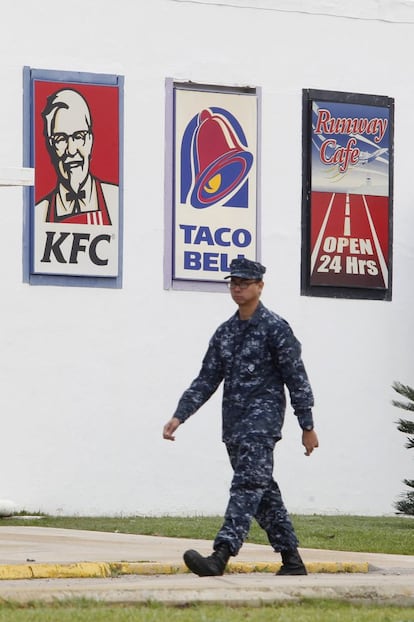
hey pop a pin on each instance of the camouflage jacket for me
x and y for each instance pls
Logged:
(256, 359)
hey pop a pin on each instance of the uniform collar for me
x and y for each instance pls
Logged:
(256, 317)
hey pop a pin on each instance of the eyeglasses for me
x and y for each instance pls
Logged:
(242, 284)
(60, 140)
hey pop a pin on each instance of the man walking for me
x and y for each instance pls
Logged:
(256, 354)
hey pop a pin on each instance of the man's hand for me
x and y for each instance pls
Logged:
(169, 429)
(309, 441)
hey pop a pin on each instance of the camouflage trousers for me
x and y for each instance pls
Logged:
(255, 494)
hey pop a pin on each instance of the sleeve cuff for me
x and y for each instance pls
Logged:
(306, 420)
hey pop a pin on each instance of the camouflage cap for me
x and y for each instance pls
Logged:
(246, 269)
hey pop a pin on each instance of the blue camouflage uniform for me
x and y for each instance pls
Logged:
(256, 358)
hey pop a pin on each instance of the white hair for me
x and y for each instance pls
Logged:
(66, 98)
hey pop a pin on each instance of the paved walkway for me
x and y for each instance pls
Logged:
(46, 564)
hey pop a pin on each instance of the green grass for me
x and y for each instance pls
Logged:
(348, 533)
(306, 611)
(394, 534)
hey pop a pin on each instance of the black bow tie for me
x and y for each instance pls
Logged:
(75, 196)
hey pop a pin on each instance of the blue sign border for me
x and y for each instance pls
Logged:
(170, 281)
(29, 75)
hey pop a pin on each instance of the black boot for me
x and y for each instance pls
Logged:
(211, 566)
(292, 563)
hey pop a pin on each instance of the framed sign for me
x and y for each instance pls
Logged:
(211, 203)
(347, 195)
(73, 141)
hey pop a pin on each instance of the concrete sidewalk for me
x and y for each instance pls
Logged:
(45, 564)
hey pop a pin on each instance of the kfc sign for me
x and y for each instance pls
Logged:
(75, 212)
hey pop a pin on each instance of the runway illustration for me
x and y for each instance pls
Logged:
(349, 240)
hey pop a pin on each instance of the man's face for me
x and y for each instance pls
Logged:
(71, 144)
(245, 291)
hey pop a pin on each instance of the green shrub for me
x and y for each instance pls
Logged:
(405, 505)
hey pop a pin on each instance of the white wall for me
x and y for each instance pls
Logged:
(89, 376)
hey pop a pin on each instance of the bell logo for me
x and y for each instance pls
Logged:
(215, 160)
(80, 243)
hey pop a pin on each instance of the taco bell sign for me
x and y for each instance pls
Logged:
(215, 172)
